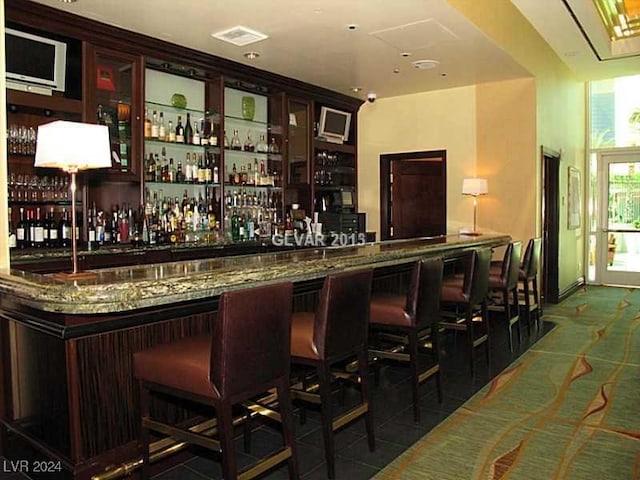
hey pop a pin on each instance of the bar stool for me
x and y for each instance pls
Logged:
(528, 276)
(336, 332)
(246, 355)
(410, 318)
(469, 294)
(504, 282)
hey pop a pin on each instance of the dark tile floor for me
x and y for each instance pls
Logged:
(395, 429)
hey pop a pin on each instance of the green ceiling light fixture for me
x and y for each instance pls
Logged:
(621, 18)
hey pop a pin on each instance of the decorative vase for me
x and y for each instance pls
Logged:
(248, 107)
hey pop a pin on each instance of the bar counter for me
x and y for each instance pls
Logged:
(142, 286)
(66, 382)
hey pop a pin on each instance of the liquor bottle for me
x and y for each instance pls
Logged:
(226, 140)
(205, 131)
(115, 229)
(154, 125)
(208, 171)
(21, 230)
(273, 146)
(201, 173)
(123, 225)
(91, 229)
(13, 239)
(236, 176)
(256, 173)
(31, 222)
(179, 131)
(150, 171)
(188, 169)
(188, 131)
(180, 178)
(162, 134)
(241, 228)
(235, 226)
(38, 230)
(196, 134)
(248, 144)
(147, 124)
(158, 163)
(235, 141)
(108, 232)
(64, 229)
(262, 146)
(100, 228)
(53, 229)
(171, 178)
(249, 231)
(171, 133)
(216, 175)
(213, 134)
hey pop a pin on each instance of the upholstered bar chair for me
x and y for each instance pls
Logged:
(246, 355)
(335, 333)
(528, 277)
(464, 302)
(503, 289)
(400, 325)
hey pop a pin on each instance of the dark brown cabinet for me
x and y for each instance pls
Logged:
(113, 97)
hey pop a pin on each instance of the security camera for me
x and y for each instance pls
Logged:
(371, 97)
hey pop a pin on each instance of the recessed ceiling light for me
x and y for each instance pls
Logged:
(251, 55)
(396, 70)
(68, 1)
(406, 54)
(356, 89)
(425, 64)
(352, 26)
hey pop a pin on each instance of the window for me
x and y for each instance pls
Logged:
(615, 112)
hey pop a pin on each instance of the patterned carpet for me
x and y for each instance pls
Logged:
(569, 408)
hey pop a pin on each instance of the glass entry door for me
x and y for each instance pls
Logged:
(619, 236)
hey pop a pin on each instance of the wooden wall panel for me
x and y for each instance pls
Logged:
(107, 390)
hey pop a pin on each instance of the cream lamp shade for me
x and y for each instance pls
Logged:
(73, 146)
(475, 186)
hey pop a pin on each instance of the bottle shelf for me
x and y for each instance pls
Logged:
(248, 185)
(245, 154)
(154, 141)
(170, 108)
(38, 203)
(185, 184)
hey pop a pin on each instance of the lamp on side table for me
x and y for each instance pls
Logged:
(475, 187)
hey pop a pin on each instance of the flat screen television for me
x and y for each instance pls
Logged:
(334, 125)
(34, 60)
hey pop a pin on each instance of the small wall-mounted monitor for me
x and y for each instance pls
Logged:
(334, 125)
(34, 60)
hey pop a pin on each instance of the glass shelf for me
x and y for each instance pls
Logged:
(243, 154)
(170, 108)
(235, 185)
(273, 129)
(186, 184)
(153, 141)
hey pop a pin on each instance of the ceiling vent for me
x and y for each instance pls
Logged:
(425, 64)
(239, 36)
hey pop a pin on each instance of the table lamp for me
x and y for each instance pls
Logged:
(475, 187)
(71, 147)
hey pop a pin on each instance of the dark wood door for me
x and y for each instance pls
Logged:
(413, 195)
(551, 225)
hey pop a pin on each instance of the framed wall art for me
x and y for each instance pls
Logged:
(574, 202)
